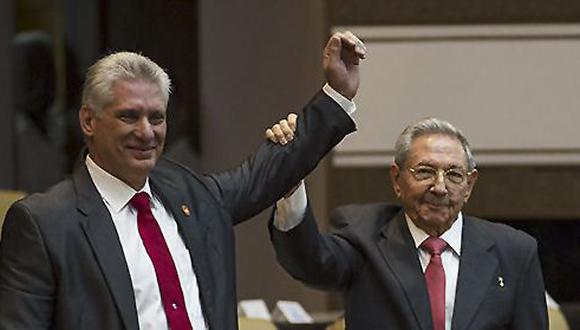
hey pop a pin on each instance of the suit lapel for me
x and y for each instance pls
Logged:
(477, 268)
(401, 257)
(102, 236)
(189, 217)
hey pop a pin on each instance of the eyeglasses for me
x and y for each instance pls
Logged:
(430, 174)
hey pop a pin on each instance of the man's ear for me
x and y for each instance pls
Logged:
(471, 179)
(395, 173)
(86, 117)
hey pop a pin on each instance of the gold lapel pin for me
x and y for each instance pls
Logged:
(500, 281)
(185, 210)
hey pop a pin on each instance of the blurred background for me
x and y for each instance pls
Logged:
(239, 66)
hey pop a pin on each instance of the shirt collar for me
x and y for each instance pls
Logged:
(452, 236)
(113, 191)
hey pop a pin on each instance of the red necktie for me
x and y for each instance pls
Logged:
(435, 277)
(167, 278)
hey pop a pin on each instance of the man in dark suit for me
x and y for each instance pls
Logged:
(133, 240)
(424, 265)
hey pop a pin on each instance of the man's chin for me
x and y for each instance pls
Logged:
(437, 219)
(143, 165)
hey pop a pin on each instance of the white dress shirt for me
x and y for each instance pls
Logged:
(290, 213)
(449, 258)
(116, 195)
(347, 105)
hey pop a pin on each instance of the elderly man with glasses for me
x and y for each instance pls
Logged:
(424, 265)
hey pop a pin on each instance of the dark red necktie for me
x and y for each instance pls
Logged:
(435, 277)
(167, 278)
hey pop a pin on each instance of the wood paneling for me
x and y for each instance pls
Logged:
(502, 192)
(259, 61)
(401, 12)
(6, 97)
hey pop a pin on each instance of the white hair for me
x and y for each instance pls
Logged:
(121, 66)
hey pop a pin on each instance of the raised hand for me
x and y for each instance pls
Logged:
(340, 62)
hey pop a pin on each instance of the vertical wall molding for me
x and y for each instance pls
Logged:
(6, 97)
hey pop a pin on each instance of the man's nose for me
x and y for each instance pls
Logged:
(439, 185)
(144, 129)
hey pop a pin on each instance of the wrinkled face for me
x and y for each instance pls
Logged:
(433, 204)
(126, 138)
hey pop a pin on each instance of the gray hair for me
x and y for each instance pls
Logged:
(430, 126)
(121, 66)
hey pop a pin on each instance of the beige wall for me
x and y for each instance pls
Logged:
(505, 86)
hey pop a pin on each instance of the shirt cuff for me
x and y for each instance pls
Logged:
(290, 211)
(347, 105)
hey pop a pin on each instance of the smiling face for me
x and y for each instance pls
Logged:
(127, 136)
(433, 205)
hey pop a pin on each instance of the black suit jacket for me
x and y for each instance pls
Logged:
(372, 259)
(61, 262)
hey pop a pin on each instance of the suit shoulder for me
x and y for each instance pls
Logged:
(357, 215)
(504, 235)
(183, 176)
(169, 169)
(46, 207)
(58, 196)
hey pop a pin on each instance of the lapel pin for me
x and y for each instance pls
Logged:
(500, 281)
(185, 210)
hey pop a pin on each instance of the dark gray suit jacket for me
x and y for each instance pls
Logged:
(372, 260)
(61, 262)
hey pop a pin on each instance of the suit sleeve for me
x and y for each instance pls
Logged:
(530, 308)
(27, 283)
(324, 261)
(262, 179)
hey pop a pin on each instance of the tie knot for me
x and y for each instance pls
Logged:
(434, 245)
(140, 201)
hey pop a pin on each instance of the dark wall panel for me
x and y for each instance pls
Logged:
(401, 12)
(6, 105)
(166, 32)
(259, 61)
